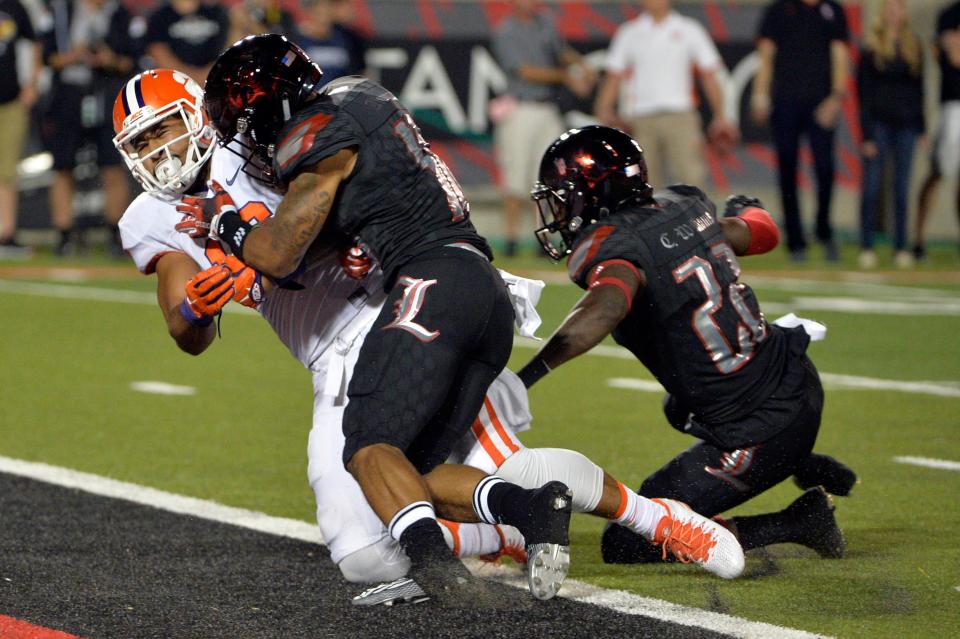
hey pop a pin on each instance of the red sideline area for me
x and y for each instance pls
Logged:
(11, 628)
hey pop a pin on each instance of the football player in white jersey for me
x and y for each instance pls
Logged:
(163, 136)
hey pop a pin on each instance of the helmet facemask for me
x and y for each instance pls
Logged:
(561, 213)
(172, 175)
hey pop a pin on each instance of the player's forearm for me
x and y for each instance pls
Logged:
(191, 339)
(276, 246)
(840, 72)
(542, 75)
(714, 93)
(586, 326)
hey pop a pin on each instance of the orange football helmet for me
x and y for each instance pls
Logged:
(147, 99)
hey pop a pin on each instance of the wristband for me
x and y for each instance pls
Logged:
(234, 231)
(532, 372)
(187, 313)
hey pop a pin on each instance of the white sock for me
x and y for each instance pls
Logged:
(408, 515)
(470, 540)
(637, 513)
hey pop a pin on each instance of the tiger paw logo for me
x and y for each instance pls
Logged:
(408, 306)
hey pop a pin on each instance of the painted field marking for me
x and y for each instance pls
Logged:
(620, 601)
(831, 381)
(162, 388)
(927, 462)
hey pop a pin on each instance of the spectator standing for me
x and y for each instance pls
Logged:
(890, 84)
(187, 35)
(650, 69)
(15, 103)
(799, 88)
(338, 49)
(92, 46)
(945, 157)
(537, 62)
(259, 16)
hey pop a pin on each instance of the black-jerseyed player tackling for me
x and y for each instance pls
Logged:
(351, 159)
(661, 275)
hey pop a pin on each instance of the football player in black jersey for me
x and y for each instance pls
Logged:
(350, 158)
(661, 274)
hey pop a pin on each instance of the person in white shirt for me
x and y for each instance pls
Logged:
(649, 75)
(323, 319)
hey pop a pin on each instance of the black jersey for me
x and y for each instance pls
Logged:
(697, 329)
(401, 200)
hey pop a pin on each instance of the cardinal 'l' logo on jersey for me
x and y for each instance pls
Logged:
(407, 307)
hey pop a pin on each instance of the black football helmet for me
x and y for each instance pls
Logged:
(253, 88)
(586, 174)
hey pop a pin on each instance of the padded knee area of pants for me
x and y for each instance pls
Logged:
(377, 563)
(534, 467)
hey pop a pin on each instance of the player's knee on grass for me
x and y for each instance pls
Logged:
(534, 467)
(377, 563)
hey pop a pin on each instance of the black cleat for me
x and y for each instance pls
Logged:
(450, 585)
(811, 518)
(823, 470)
(546, 529)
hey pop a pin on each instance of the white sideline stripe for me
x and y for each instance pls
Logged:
(833, 381)
(162, 388)
(96, 294)
(617, 600)
(162, 500)
(928, 462)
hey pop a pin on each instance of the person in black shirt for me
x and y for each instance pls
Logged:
(945, 156)
(187, 35)
(799, 88)
(351, 160)
(91, 46)
(890, 84)
(15, 103)
(336, 48)
(661, 276)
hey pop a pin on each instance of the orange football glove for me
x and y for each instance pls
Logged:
(247, 283)
(355, 262)
(197, 213)
(206, 293)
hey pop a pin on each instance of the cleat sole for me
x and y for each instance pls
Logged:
(547, 569)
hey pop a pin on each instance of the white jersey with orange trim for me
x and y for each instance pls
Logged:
(323, 326)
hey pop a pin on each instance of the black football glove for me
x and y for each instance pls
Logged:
(736, 204)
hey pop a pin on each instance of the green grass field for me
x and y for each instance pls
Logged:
(66, 400)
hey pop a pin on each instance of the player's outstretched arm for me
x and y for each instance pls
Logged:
(173, 270)
(276, 246)
(748, 227)
(605, 304)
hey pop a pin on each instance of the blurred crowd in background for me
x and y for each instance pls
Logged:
(63, 61)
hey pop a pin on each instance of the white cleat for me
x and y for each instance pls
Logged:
(547, 568)
(401, 591)
(691, 537)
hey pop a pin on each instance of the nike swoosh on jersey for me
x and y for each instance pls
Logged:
(230, 181)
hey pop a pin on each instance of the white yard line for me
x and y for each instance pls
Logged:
(928, 462)
(617, 600)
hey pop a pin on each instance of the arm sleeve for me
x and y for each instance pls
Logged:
(703, 50)
(840, 30)
(313, 138)
(617, 59)
(770, 26)
(25, 28)
(506, 54)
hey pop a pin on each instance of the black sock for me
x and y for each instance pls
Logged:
(762, 530)
(502, 502)
(424, 543)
